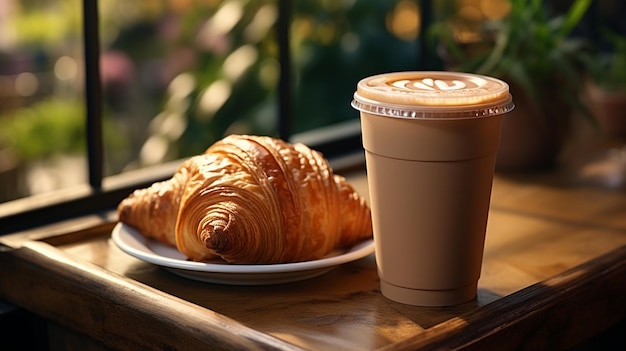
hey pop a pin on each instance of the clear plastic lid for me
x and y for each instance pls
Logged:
(432, 95)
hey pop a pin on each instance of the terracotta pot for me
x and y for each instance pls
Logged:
(532, 134)
(609, 109)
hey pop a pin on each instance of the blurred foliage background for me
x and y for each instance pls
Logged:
(178, 75)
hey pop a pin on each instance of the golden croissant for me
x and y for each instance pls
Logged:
(251, 199)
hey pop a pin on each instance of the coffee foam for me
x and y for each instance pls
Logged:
(432, 95)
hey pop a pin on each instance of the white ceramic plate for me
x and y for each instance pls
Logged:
(133, 243)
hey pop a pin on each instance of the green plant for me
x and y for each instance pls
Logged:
(529, 47)
(44, 129)
(49, 128)
(607, 69)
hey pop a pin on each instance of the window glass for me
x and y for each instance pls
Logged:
(179, 75)
(41, 100)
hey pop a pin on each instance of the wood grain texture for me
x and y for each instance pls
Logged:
(118, 312)
(553, 314)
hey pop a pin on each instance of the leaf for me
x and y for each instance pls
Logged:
(495, 57)
(524, 79)
(573, 16)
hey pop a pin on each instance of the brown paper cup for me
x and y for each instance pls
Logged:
(430, 156)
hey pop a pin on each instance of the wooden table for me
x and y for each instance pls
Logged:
(554, 274)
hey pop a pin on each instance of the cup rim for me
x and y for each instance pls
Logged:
(430, 110)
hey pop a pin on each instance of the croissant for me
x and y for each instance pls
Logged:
(251, 200)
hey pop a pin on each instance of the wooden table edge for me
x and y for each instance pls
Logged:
(115, 310)
(552, 312)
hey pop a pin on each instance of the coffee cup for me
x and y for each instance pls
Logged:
(430, 140)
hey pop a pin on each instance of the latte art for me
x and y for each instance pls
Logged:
(438, 84)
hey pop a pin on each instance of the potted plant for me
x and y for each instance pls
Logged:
(535, 53)
(606, 86)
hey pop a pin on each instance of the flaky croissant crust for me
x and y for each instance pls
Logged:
(252, 199)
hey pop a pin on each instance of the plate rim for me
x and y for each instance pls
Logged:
(123, 233)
